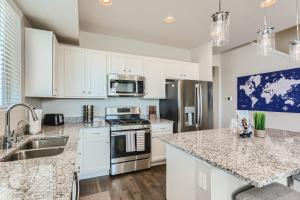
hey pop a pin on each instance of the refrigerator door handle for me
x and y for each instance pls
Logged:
(199, 114)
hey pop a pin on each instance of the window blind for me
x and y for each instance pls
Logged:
(10, 55)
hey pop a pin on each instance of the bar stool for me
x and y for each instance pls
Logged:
(274, 191)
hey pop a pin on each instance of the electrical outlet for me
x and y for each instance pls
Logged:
(202, 180)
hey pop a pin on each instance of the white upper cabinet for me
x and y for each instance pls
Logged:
(190, 71)
(173, 69)
(155, 78)
(125, 64)
(75, 72)
(182, 70)
(40, 63)
(58, 71)
(96, 73)
(135, 65)
(85, 73)
(117, 63)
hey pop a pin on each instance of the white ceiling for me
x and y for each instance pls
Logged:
(143, 20)
(59, 16)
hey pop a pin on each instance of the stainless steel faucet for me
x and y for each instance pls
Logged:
(7, 135)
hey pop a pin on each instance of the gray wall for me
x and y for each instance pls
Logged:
(122, 45)
(283, 38)
(245, 61)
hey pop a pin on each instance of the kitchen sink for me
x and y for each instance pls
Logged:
(45, 143)
(38, 148)
(29, 154)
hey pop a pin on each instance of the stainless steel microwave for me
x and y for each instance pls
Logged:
(126, 85)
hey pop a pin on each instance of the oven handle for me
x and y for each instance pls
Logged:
(120, 133)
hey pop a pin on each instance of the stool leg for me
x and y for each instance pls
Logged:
(290, 181)
(240, 190)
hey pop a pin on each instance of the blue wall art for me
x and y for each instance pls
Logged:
(274, 91)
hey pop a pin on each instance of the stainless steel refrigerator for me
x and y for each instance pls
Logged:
(189, 104)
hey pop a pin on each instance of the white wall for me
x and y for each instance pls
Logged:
(73, 107)
(245, 61)
(110, 43)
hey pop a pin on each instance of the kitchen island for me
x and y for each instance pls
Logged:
(213, 164)
(42, 178)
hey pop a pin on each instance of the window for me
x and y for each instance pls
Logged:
(10, 55)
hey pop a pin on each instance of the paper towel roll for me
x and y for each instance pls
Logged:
(35, 126)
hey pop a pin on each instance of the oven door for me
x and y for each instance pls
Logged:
(119, 152)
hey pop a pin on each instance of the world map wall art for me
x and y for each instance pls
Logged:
(274, 91)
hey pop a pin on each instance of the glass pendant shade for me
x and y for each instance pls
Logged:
(294, 46)
(220, 28)
(266, 41)
(294, 50)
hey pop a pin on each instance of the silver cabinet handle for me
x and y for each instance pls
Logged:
(90, 92)
(83, 92)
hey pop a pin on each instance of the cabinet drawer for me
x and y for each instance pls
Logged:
(162, 127)
(95, 132)
(161, 133)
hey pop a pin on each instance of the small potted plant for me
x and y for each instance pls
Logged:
(259, 124)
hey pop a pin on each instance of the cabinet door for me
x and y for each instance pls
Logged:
(74, 72)
(79, 160)
(96, 154)
(117, 63)
(158, 152)
(38, 63)
(58, 70)
(96, 73)
(135, 65)
(190, 71)
(173, 70)
(155, 78)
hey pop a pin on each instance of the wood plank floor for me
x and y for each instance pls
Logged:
(143, 185)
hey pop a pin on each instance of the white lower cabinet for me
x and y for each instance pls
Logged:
(94, 152)
(158, 151)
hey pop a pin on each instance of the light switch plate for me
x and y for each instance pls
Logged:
(202, 180)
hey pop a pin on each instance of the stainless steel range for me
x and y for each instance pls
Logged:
(130, 140)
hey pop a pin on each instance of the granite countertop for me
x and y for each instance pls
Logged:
(42, 178)
(161, 121)
(258, 161)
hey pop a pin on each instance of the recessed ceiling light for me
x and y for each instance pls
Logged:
(169, 19)
(106, 3)
(267, 3)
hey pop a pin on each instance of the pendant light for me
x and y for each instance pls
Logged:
(266, 36)
(220, 27)
(294, 45)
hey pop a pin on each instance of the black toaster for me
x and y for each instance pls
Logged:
(54, 119)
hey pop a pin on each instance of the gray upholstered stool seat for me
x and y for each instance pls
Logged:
(297, 177)
(273, 191)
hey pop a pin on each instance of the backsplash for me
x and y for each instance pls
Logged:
(73, 107)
